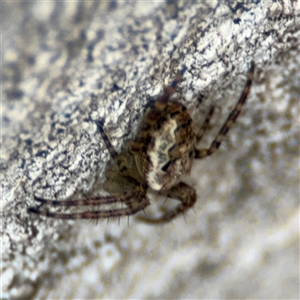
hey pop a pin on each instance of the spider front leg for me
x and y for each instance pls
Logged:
(106, 140)
(134, 203)
(182, 192)
(201, 153)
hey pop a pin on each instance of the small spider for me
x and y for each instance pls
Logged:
(163, 151)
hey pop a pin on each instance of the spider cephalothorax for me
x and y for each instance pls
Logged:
(162, 151)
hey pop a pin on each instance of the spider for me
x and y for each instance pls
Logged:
(162, 151)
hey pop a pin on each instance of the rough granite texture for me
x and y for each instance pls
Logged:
(65, 65)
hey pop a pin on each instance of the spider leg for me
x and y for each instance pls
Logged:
(181, 191)
(205, 124)
(106, 140)
(201, 153)
(89, 202)
(169, 90)
(133, 207)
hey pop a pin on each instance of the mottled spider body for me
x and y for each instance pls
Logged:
(162, 151)
(164, 147)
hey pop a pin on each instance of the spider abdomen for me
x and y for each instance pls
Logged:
(165, 145)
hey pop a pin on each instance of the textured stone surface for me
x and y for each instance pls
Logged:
(67, 64)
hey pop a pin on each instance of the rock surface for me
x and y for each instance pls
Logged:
(66, 65)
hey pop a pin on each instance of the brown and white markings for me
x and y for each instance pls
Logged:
(163, 151)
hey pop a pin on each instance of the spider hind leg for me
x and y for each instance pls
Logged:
(204, 127)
